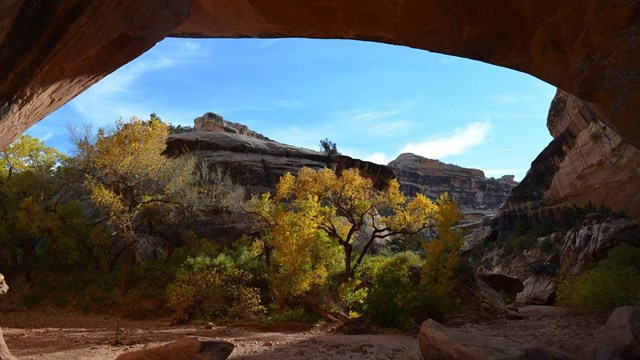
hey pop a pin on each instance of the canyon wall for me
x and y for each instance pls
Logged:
(471, 189)
(256, 162)
(586, 161)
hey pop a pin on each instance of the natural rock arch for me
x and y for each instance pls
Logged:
(50, 51)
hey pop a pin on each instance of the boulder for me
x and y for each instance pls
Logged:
(504, 284)
(440, 343)
(620, 338)
(189, 348)
(590, 243)
(5, 354)
(539, 289)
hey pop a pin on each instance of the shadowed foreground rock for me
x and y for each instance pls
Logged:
(620, 338)
(499, 282)
(4, 350)
(189, 348)
(440, 343)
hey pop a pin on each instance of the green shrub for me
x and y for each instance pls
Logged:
(614, 282)
(214, 295)
(395, 297)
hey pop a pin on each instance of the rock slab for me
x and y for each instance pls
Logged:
(189, 348)
(620, 338)
(440, 343)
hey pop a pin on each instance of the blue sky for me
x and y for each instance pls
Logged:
(374, 100)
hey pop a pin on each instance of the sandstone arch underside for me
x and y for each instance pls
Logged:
(52, 50)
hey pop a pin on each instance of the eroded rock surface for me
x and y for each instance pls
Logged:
(471, 189)
(258, 163)
(586, 161)
(585, 246)
(50, 51)
(210, 122)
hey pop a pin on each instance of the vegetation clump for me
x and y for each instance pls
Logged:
(613, 282)
(109, 230)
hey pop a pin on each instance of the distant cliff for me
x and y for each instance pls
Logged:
(256, 162)
(469, 187)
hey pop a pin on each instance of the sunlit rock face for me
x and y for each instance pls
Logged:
(586, 161)
(471, 189)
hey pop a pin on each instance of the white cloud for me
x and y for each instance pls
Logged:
(378, 158)
(461, 141)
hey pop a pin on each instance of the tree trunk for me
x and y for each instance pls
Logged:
(348, 249)
(123, 270)
(26, 258)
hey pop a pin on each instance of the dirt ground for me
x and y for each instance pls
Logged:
(39, 335)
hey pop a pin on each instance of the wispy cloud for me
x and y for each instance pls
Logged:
(367, 116)
(115, 95)
(377, 121)
(461, 141)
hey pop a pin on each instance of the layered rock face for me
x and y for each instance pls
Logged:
(215, 123)
(586, 161)
(258, 163)
(50, 51)
(469, 187)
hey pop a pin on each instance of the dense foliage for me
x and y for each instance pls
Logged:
(110, 230)
(615, 281)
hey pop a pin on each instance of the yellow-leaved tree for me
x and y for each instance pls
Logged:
(443, 252)
(134, 186)
(342, 207)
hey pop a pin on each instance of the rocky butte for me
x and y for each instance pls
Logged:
(472, 190)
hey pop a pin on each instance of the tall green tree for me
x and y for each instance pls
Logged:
(27, 170)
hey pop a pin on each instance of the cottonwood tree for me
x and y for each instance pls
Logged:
(443, 251)
(135, 188)
(27, 169)
(342, 206)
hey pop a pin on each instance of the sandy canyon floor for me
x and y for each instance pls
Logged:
(37, 335)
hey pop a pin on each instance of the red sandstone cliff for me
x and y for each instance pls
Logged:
(586, 161)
